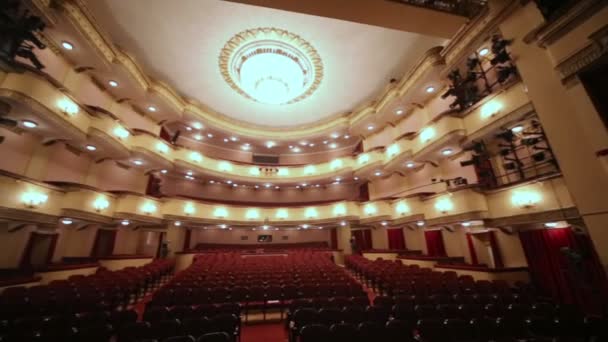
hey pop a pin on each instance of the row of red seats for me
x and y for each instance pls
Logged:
(104, 290)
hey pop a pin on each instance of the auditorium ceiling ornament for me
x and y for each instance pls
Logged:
(271, 66)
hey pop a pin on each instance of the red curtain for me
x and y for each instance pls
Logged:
(187, 239)
(565, 266)
(395, 238)
(434, 243)
(367, 235)
(474, 260)
(495, 251)
(333, 236)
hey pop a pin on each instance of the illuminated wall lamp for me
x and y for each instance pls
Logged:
(309, 170)
(339, 209)
(363, 158)
(189, 209)
(220, 212)
(283, 172)
(392, 150)
(427, 134)
(490, 109)
(311, 213)
(444, 205)
(196, 157)
(282, 214)
(67, 107)
(402, 208)
(101, 204)
(336, 164)
(33, 199)
(252, 214)
(525, 199)
(148, 208)
(162, 148)
(120, 132)
(370, 210)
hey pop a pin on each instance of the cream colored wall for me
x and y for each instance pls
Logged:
(344, 234)
(511, 249)
(176, 236)
(454, 243)
(379, 238)
(76, 243)
(221, 236)
(16, 151)
(147, 242)
(414, 240)
(118, 264)
(12, 246)
(219, 192)
(65, 165)
(126, 241)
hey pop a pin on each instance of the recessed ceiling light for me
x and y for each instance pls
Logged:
(125, 222)
(399, 111)
(234, 185)
(517, 129)
(256, 186)
(223, 226)
(152, 109)
(304, 184)
(67, 221)
(270, 144)
(67, 45)
(212, 182)
(325, 142)
(378, 173)
(189, 177)
(246, 147)
(347, 136)
(343, 223)
(209, 135)
(234, 139)
(267, 185)
(384, 223)
(466, 224)
(356, 178)
(188, 128)
(484, 51)
(311, 145)
(338, 179)
(420, 223)
(290, 147)
(410, 165)
(113, 83)
(277, 187)
(198, 137)
(430, 89)
(189, 173)
(197, 125)
(29, 124)
(225, 140)
(228, 182)
(303, 143)
(163, 171)
(370, 127)
(317, 185)
(335, 135)
(447, 151)
(333, 145)
(138, 162)
(551, 224)
(297, 186)
(177, 223)
(91, 148)
(297, 149)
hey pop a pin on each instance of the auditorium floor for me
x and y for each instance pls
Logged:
(266, 332)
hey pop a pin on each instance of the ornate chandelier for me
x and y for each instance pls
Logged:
(271, 66)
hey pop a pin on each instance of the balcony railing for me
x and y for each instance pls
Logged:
(464, 8)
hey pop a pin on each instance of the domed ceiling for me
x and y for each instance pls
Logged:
(260, 66)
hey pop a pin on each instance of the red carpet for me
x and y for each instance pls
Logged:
(271, 332)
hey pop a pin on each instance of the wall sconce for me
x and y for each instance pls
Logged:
(220, 212)
(67, 106)
(121, 132)
(402, 208)
(100, 204)
(254, 171)
(282, 214)
(525, 199)
(162, 148)
(148, 208)
(224, 166)
(339, 209)
(392, 150)
(311, 213)
(490, 109)
(283, 171)
(363, 158)
(309, 170)
(33, 199)
(189, 209)
(336, 164)
(444, 205)
(370, 209)
(427, 134)
(252, 214)
(196, 157)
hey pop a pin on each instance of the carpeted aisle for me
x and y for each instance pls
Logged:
(267, 332)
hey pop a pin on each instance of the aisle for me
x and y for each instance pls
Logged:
(265, 332)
